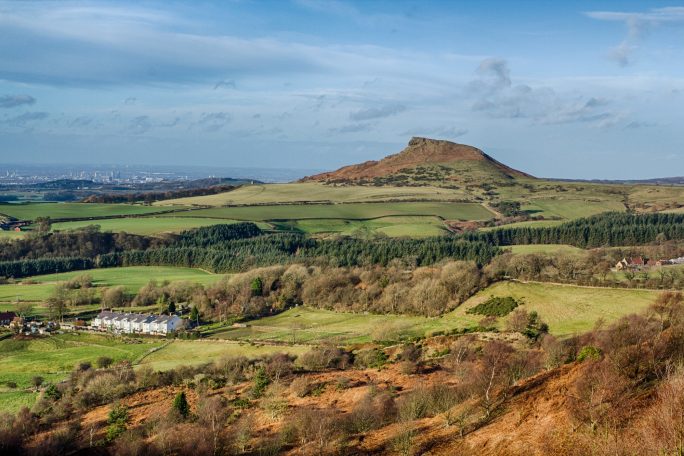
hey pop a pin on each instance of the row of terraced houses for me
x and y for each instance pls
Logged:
(136, 323)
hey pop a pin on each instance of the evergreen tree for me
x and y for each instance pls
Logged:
(257, 286)
(261, 381)
(180, 405)
(194, 315)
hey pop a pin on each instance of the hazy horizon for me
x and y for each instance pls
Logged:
(583, 90)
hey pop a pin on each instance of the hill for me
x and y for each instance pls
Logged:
(424, 160)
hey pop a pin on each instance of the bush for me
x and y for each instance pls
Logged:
(180, 405)
(104, 362)
(495, 306)
(324, 357)
(37, 381)
(273, 403)
(427, 401)
(318, 426)
(371, 412)
(589, 352)
(373, 358)
(261, 381)
(302, 386)
(117, 419)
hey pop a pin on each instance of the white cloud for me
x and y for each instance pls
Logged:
(494, 94)
(638, 24)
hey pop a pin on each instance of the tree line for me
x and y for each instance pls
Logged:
(604, 230)
(242, 246)
(150, 197)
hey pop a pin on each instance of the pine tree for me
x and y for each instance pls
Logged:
(257, 286)
(194, 315)
(180, 404)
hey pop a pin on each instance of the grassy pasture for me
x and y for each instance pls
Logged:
(53, 358)
(133, 278)
(30, 211)
(144, 225)
(656, 195)
(11, 235)
(415, 226)
(556, 249)
(315, 192)
(572, 208)
(184, 352)
(307, 325)
(528, 223)
(356, 211)
(567, 309)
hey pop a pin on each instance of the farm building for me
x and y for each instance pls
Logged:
(136, 323)
(640, 262)
(630, 263)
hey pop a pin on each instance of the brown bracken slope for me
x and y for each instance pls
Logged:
(420, 151)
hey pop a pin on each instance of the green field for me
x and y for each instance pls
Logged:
(315, 192)
(53, 358)
(30, 211)
(527, 223)
(307, 325)
(567, 309)
(11, 235)
(571, 208)
(547, 248)
(144, 225)
(185, 353)
(353, 211)
(415, 226)
(133, 278)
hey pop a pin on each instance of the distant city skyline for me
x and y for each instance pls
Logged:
(573, 89)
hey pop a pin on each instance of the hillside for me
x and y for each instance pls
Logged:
(424, 160)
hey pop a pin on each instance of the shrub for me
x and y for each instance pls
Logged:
(302, 386)
(324, 357)
(260, 382)
(180, 405)
(37, 381)
(320, 426)
(372, 411)
(589, 352)
(117, 419)
(373, 358)
(273, 403)
(257, 286)
(428, 401)
(495, 306)
(104, 362)
(52, 392)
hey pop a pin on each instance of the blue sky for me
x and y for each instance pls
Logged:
(584, 89)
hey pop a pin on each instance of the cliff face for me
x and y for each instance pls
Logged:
(419, 152)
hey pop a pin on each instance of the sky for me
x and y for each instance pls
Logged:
(571, 89)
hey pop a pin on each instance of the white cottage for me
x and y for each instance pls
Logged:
(136, 323)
